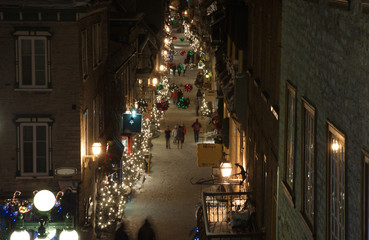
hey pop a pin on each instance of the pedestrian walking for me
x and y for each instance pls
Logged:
(184, 130)
(174, 68)
(174, 95)
(180, 136)
(146, 232)
(196, 129)
(179, 95)
(174, 133)
(167, 132)
(184, 68)
(199, 94)
(179, 69)
(197, 102)
(121, 234)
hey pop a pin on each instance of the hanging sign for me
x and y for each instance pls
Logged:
(131, 123)
(209, 154)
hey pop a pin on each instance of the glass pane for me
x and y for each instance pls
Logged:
(27, 149)
(41, 148)
(26, 60)
(39, 47)
(27, 157)
(40, 62)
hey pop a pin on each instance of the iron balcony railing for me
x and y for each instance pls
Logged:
(228, 216)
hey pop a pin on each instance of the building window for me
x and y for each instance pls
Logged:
(365, 5)
(308, 164)
(84, 54)
(290, 139)
(365, 196)
(34, 146)
(336, 184)
(96, 44)
(32, 59)
(85, 132)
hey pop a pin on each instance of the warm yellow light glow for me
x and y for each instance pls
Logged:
(154, 81)
(335, 145)
(165, 52)
(69, 235)
(226, 169)
(166, 41)
(185, 12)
(167, 29)
(162, 67)
(96, 148)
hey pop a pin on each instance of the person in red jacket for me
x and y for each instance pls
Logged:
(196, 129)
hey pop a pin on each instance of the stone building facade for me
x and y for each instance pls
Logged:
(323, 128)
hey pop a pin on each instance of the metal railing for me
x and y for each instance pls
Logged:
(228, 216)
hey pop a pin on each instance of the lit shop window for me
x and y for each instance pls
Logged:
(336, 183)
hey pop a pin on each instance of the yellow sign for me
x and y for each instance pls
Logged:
(209, 154)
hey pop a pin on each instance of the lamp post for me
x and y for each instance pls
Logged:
(44, 201)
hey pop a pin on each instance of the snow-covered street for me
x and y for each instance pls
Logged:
(167, 196)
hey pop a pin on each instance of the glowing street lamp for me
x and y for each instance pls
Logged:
(96, 148)
(154, 81)
(19, 235)
(226, 169)
(68, 234)
(44, 200)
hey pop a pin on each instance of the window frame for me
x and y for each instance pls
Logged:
(290, 188)
(84, 53)
(96, 44)
(365, 6)
(34, 121)
(32, 35)
(334, 133)
(308, 109)
(342, 4)
(365, 195)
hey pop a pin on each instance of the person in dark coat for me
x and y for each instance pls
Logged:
(167, 137)
(146, 232)
(121, 234)
(180, 136)
(196, 129)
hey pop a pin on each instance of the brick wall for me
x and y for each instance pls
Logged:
(325, 55)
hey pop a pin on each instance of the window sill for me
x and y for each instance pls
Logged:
(290, 196)
(34, 177)
(305, 224)
(340, 4)
(33, 89)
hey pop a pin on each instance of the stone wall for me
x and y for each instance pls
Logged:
(325, 56)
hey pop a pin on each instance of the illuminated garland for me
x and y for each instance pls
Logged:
(204, 109)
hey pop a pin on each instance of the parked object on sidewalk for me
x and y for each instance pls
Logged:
(121, 234)
(146, 232)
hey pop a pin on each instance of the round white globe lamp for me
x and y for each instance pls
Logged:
(19, 235)
(226, 169)
(44, 200)
(68, 235)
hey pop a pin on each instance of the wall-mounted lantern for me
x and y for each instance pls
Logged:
(96, 148)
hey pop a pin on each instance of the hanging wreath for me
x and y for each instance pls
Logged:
(190, 52)
(162, 105)
(182, 39)
(188, 87)
(174, 20)
(183, 52)
(183, 103)
(174, 38)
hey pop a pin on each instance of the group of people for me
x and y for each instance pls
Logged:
(179, 132)
(179, 69)
(145, 232)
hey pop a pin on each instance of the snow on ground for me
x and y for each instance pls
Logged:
(167, 197)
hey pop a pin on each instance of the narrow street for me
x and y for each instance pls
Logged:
(167, 197)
